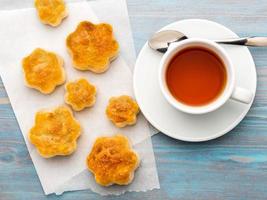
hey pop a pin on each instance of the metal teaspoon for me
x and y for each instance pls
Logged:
(161, 40)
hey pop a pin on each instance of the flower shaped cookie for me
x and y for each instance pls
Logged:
(92, 47)
(51, 12)
(112, 160)
(122, 110)
(55, 132)
(43, 70)
(80, 94)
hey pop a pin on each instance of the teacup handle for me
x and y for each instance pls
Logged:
(242, 95)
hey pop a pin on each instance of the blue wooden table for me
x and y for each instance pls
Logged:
(231, 167)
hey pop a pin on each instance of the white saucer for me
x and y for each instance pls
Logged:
(194, 128)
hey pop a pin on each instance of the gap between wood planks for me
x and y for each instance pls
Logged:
(4, 100)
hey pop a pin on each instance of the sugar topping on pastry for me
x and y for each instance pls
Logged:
(122, 110)
(43, 70)
(55, 132)
(80, 94)
(51, 12)
(112, 160)
(92, 46)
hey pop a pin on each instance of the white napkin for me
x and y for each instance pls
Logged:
(22, 33)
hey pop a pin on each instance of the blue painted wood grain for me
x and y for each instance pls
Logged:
(231, 167)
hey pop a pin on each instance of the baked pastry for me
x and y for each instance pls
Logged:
(122, 110)
(80, 94)
(55, 132)
(51, 12)
(92, 46)
(43, 70)
(112, 160)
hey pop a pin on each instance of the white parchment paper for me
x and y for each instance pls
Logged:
(21, 34)
(115, 12)
(145, 176)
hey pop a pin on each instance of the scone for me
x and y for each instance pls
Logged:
(51, 12)
(43, 70)
(92, 46)
(122, 110)
(112, 160)
(55, 132)
(80, 94)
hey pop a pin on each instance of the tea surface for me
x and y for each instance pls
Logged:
(196, 76)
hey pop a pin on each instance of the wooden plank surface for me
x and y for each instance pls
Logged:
(231, 167)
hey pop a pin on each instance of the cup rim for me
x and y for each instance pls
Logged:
(215, 48)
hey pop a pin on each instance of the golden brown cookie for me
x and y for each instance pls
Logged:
(112, 160)
(122, 110)
(55, 132)
(92, 46)
(51, 12)
(80, 94)
(43, 70)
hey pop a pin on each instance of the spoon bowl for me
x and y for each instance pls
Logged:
(161, 40)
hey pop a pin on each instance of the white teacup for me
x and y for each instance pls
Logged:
(231, 91)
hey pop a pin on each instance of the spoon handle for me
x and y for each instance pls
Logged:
(246, 41)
